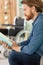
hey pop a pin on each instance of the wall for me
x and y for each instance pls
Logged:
(7, 11)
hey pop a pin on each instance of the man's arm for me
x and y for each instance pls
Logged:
(33, 45)
(36, 39)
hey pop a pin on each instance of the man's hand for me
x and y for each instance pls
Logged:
(14, 46)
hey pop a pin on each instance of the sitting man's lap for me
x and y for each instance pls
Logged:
(19, 58)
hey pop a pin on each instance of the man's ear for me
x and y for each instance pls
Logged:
(33, 9)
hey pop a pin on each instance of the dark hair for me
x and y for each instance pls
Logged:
(38, 9)
(37, 3)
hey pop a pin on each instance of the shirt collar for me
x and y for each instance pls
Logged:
(36, 19)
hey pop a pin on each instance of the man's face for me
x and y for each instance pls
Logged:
(27, 12)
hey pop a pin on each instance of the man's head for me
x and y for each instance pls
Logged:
(31, 7)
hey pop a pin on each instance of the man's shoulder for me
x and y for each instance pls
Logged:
(38, 26)
(39, 19)
(41, 16)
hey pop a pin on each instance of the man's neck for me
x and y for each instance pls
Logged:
(35, 16)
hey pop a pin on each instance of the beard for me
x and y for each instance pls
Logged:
(29, 16)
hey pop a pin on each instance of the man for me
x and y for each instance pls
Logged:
(30, 51)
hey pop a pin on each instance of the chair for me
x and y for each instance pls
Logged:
(25, 33)
(19, 25)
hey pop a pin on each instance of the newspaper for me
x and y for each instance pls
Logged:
(5, 39)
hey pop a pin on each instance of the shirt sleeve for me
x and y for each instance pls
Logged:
(36, 40)
(24, 43)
